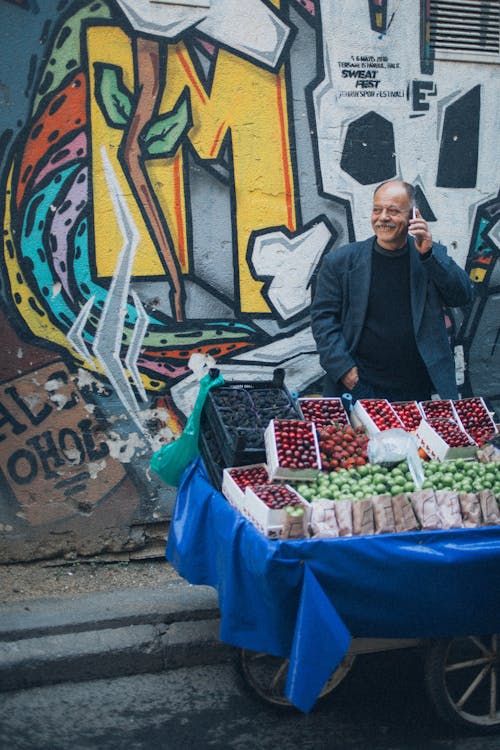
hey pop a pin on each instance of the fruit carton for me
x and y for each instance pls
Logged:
(280, 465)
(270, 520)
(367, 412)
(437, 407)
(475, 418)
(233, 489)
(323, 411)
(436, 447)
(409, 413)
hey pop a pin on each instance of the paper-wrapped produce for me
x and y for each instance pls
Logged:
(362, 517)
(343, 512)
(489, 453)
(489, 508)
(323, 518)
(449, 509)
(471, 509)
(424, 503)
(383, 515)
(295, 523)
(404, 515)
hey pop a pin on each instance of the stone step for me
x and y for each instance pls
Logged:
(110, 652)
(107, 609)
(109, 634)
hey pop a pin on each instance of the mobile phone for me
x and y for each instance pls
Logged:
(413, 216)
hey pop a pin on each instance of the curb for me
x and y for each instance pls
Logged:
(105, 635)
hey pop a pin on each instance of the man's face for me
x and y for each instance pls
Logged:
(390, 216)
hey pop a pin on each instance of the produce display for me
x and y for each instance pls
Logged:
(475, 419)
(462, 475)
(342, 447)
(373, 479)
(409, 414)
(332, 489)
(376, 499)
(323, 411)
(365, 481)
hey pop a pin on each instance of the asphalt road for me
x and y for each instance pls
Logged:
(380, 705)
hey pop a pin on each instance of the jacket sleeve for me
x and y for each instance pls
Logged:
(326, 320)
(454, 286)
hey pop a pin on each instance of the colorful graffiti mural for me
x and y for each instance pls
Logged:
(481, 331)
(168, 193)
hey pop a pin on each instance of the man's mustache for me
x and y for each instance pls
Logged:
(384, 225)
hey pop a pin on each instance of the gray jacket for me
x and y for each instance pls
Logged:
(341, 297)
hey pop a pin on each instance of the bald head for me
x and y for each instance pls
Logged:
(409, 190)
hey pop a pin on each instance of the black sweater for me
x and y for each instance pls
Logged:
(387, 352)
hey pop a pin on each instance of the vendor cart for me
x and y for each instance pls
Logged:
(301, 611)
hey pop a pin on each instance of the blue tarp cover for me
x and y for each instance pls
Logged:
(307, 598)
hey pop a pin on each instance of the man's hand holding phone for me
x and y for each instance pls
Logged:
(419, 230)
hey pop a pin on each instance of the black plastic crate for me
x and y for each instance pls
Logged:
(237, 414)
(210, 454)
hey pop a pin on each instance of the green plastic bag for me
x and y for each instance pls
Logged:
(171, 459)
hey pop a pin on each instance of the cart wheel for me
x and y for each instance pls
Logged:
(462, 680)
(267, 675)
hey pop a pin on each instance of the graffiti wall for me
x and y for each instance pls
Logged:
(172, 174)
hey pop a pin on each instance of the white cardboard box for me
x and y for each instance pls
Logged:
(435, 447)
(361, 418)
(269, 520)
(277, 472)
(230, 488)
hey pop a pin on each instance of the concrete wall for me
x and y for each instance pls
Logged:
(172, 174)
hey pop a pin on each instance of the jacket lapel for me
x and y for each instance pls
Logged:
(359, 284)
(418, 286)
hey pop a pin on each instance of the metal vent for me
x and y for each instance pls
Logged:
(464, 30)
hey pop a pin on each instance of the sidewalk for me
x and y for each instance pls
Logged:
(108, 634)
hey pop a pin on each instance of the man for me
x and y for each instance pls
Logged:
(377, 313)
